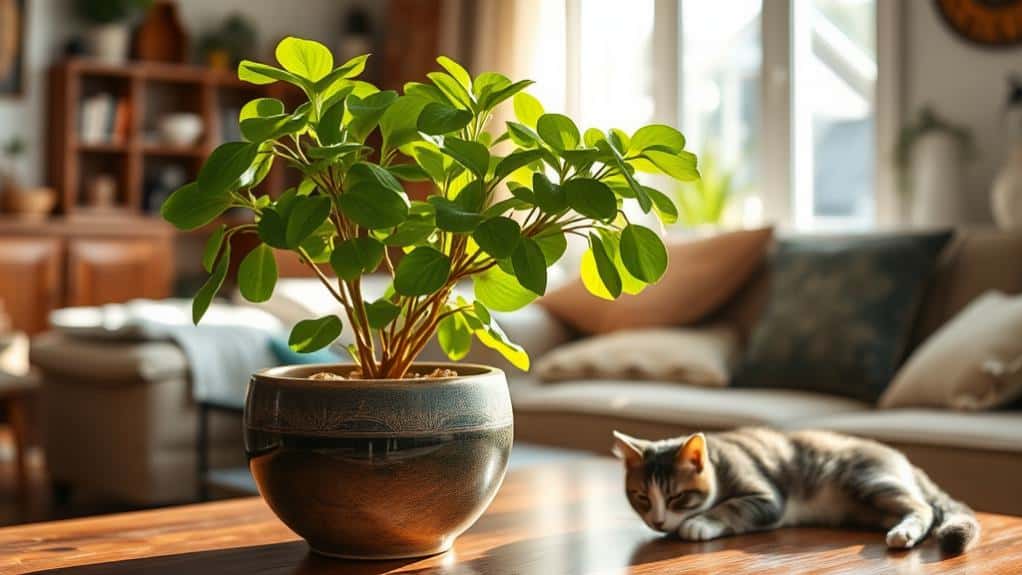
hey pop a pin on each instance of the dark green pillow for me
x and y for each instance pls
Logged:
(840, 313)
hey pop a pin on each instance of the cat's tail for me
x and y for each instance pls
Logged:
(954, 524)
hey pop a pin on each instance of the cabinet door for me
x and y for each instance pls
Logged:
(30, 281)
(104, 271)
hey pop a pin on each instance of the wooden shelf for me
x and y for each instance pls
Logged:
(165, 150)
(102, 147)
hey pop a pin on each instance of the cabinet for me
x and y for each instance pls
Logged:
(30, 280)
(63, 262)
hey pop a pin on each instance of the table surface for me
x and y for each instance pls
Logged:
(559, 519)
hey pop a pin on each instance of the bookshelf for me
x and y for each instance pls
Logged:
(104, 127)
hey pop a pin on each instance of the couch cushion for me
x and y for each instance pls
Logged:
(703, 275)
(108, 362)
(993, 430)
(840, 313)
(672, 403)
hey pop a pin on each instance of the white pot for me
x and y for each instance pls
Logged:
(110, 42)
(936, 181)
(1006, 194)
(182, 129)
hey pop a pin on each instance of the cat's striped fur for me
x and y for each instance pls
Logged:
(707, 486)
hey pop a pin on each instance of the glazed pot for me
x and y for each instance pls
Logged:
(378, 469)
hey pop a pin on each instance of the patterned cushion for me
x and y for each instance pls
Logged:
(840, 313)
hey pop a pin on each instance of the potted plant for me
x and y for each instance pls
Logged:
(386, 457)
(109, 37)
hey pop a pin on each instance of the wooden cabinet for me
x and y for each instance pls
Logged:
(116, 270)
(60, 263)
(30, 280)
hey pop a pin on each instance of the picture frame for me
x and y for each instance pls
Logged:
(13, 29)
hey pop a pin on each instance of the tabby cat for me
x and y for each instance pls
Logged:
(707, 486)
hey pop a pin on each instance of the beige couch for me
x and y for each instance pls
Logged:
(975, 456)
(130, 432)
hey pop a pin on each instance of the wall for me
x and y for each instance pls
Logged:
(965, 83)
(51, 22)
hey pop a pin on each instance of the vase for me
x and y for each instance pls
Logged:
(109, 43)
(1006, 194)
(936, 181)
(378, 469)
(161, 37)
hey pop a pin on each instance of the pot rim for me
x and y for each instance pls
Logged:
(279, 375)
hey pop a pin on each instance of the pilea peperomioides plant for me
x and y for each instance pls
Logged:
(497, 220)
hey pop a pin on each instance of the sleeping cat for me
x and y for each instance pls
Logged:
(707, 486)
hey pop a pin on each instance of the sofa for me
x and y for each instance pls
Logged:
(118, 418)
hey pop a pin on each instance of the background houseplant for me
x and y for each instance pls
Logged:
(317, 447)
(109, 37)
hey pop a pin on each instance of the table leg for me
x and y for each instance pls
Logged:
(17, 413)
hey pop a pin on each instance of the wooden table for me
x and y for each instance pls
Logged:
(565, 519)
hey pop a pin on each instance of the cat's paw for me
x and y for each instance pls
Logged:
(904, 535)
(700, 528)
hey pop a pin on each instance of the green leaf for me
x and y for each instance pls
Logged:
(399, 124)
(259, 169)
(529, 265)
(473, 155)
(426, 92)
(558, 131)
(318, 248)
(367, 112)
(334, 151)
(515, 160)
(592, 136)
(488, 83)
(273, 229)
(664, 207)
(450, 87)
(354, 257)
(365, 172)
(437, 118)
(522, 135)
(553, 244)
(493, 99)
(452, 217)
(205, 295)
(549, 197)
(257, 274)
(422, 271)
(408, 172)
(308, 213)
(605, 266)
(591, 198)
(643, 253)
(335, 80)
(305, 58)
(256, 73)
(311, 335)
(329, 129)
(261, 108)
(644, 202)
(500, 290)
(456, 71)
(454, 336)
(681, 166)
(225, 165)
(498, 236)
(527, 109)
(656, 135)
(190, 207)
(212, 249)
(417, 227)
(374, 206)
(272, 127)
(380, 313)
(494, 338)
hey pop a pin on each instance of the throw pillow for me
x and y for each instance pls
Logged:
(702, 276)
(973, 362)
(839, 313)
(700, 356)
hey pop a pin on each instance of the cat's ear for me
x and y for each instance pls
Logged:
(693, 452)
(628, 449)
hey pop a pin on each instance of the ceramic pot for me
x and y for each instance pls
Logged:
(110, 42)
(30, 203)
(378, 469)
(1006, 195)
(182, 129)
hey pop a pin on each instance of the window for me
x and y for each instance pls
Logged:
(780, 95)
